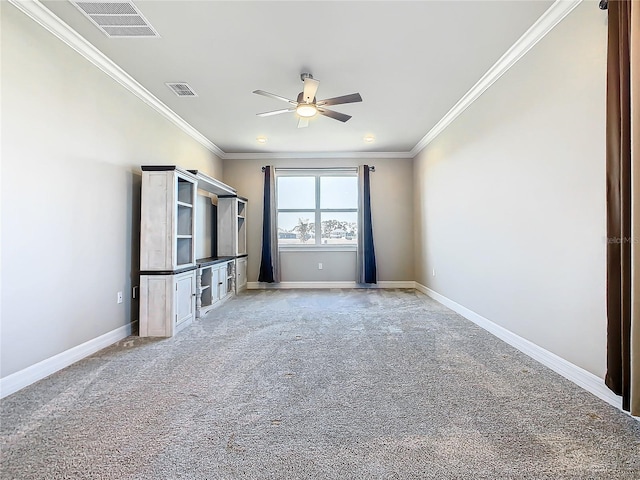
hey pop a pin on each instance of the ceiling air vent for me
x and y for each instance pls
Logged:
(117, 18)
(181, 89)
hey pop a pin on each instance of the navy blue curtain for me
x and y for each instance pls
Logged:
(269, 261)
(367, 270)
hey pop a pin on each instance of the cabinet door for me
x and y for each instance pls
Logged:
(156, 305)
(222, 282)
(184, 221)
(241, 273)
(185, 297)
(215, 284)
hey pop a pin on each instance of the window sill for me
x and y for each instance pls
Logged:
(317, 248)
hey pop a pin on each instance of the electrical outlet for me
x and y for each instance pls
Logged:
(119, 297)
(319, 266)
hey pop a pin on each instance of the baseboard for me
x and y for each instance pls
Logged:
(327, 285)
(397, 284)
(584, 379)
(16, 381)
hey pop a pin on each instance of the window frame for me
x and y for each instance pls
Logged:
(317, 212)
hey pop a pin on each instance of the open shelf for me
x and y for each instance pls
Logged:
(184, 247)
(206, 297)
(185, 191)
(185, 220)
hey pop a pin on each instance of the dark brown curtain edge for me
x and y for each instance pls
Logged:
(618, 163)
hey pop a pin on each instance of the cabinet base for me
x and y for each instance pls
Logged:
(167, 303)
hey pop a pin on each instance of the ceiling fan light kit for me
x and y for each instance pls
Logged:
(306, 105)
(306, 110)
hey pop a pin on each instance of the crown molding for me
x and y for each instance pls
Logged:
(47, 19)
(275, 155)
(43, 16)
(547, 21)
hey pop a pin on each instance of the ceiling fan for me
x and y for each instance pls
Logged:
(306, 105)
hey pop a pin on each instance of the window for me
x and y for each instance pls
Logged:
(317, 208)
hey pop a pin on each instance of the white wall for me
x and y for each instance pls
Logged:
(72, 143)
(392, 216)
(510, 198)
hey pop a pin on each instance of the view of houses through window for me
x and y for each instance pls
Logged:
(317, 208)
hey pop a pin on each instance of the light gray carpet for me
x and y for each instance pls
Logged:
(341, 384)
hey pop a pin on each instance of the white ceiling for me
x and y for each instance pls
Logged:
(411, 62)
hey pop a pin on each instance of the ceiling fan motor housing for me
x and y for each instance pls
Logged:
(300, 98)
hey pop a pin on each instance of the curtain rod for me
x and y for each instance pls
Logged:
(372, 168)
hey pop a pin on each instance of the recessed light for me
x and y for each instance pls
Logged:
(369, 139)
(262, 139)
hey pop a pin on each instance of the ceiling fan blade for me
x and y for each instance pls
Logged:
(335, 115)
(277, 97)
(275, 112)
(303, 122)
(352, 98)
(310, 89)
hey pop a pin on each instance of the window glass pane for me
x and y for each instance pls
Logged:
(338, 192)
(296, 192)
(296, 228)
(339, 228)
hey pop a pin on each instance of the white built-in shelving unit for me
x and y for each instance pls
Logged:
(175, 287)
(232, 211)
(167, 251)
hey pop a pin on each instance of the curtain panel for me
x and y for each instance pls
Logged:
(366, 255)
(270, 260)
(622, 289)
(635, 212)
